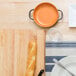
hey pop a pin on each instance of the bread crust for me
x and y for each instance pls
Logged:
(31, 60)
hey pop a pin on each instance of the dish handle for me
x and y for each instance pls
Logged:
(60, 18)
(30, 14)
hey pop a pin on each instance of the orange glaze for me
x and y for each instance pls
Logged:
(45, 15)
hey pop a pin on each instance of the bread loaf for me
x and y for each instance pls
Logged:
(31, 60)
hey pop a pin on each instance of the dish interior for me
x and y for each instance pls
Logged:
(45, 15)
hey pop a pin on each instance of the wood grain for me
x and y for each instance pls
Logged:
(13, 51)
(6, 52)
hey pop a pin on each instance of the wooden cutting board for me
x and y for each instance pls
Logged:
(13, 51)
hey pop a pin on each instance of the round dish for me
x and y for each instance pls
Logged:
(45, 14)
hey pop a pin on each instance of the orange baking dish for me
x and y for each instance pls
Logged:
(45, 14)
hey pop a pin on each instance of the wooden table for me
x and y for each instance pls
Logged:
(14, 15)
(19, 18)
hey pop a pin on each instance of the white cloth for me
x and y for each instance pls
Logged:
(72, 15)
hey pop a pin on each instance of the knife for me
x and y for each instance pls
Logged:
(41, 72)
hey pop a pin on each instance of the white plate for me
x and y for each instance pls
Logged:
(69, 63)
